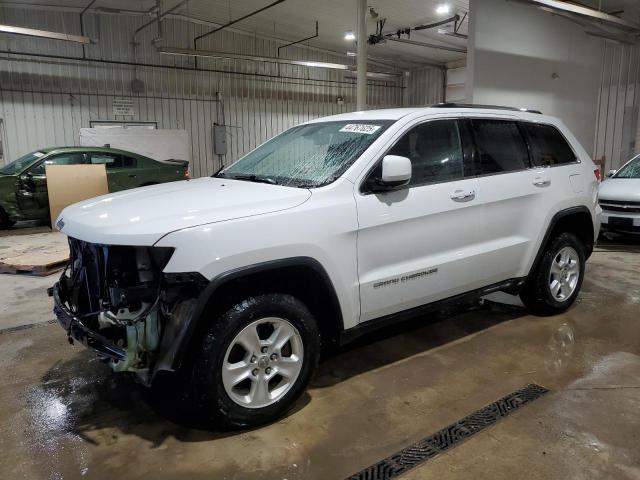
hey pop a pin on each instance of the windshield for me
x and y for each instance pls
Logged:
(308, 155)
(630, 170)
(20, 164)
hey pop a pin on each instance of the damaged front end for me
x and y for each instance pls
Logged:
(117, 301)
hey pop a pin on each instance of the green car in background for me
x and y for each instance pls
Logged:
(23, 184)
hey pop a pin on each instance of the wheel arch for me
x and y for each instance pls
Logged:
(303, 277)
(576, 220)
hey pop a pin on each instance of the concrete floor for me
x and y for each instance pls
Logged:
(23, 298)
(64, 416)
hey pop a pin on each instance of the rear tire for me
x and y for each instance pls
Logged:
(254, 362)
(555, 283)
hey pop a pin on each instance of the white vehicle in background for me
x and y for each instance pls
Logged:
(620, 198)
(331, 229)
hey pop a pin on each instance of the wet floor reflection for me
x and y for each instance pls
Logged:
(65, 415)
(561, 346)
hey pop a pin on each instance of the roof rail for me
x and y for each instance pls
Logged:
(491, 107)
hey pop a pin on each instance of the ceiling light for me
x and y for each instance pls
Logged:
(351, 54)
(32, 32)
(443, 9)
(349, 35)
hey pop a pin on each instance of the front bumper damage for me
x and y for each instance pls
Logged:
(116, 301)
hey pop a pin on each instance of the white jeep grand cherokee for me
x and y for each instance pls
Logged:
(329, 230)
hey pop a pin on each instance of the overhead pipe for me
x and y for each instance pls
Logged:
(222, 27)
(299, 41)
(159, 17)
(427, 26)
(397, 35)
(84, 10)
(361, 59)
(158, 21)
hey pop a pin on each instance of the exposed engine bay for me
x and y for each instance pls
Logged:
(123, 307)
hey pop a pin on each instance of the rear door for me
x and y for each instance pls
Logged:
(122, 172)
(417, 245)
(518, 193)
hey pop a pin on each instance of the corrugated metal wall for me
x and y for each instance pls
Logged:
(617, 134)
(426, 86)
(44, 101)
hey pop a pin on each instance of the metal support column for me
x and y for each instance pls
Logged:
(361, 81)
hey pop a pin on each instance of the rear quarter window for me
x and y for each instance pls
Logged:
(548, 146)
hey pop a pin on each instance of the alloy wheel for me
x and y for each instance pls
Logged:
(262, 362)
(564, 274)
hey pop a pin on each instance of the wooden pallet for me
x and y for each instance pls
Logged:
(11, 266)
(38, 254)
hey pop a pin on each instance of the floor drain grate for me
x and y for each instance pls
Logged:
(450, 436)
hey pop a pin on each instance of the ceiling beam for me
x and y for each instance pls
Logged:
(428, 45)
(586, 13)
(191, 52)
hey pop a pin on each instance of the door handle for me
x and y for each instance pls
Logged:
(463, 195)
(132, 175)
(541, 182)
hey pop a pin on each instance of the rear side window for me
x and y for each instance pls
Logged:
(548, 146)
(499, 146)
(111, 160)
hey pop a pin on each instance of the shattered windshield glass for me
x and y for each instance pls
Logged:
(630, 170)
(308, 155)
(20, 164)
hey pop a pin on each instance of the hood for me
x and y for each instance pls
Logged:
(621, 189)
(143, 215)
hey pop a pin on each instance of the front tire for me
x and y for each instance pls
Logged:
(5, 220)
(554, 285)
(255, 360)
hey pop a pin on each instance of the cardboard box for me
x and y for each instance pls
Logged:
(68, 184)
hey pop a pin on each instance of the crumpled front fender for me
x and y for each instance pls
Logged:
(8, 199)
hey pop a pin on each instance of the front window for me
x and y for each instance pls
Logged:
(309, 155)
(435, 152)
(20, 164)
(71, 158)
(630, 170)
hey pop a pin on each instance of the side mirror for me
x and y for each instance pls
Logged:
(396, 172)
(611, 173)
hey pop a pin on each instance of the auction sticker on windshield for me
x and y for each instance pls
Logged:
(360, 128)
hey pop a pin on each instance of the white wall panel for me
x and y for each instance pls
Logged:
(617, 136)
(45, 101)
(524, 57)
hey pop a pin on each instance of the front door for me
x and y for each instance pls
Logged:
(417, 245)
(33, 197)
